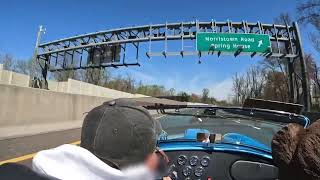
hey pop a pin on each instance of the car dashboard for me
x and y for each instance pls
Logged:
(220, 163)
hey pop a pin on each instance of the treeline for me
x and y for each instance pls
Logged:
(269, 81)
(270, 78)
(203, 98)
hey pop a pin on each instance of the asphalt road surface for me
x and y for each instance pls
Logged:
(22, 149)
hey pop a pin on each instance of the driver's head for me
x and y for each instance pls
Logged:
(119, 133)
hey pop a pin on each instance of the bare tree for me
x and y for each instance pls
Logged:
(127, 84)
(275, 88)
(184, 96)
(172, 91)
(18, 65)
(65, 75)
(7, 61)
(23, 66)
(249, 85)
(309, 13)
(238, 83)
(274, 66)
(284, 19)
(95, 76)
(205, 95)
(195, 98)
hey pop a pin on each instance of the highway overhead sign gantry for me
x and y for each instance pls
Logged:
(285, 39)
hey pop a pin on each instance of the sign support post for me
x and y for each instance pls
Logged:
(304, 72)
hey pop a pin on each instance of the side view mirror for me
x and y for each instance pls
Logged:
(209, 138)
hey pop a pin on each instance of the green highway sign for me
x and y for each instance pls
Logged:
(232, 42)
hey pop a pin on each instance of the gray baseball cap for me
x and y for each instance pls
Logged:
(120, 133)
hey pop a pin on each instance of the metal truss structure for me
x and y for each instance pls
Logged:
(285, 40)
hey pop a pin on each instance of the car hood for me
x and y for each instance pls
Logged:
(235, 138)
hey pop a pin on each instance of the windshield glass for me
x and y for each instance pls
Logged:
(177, 126)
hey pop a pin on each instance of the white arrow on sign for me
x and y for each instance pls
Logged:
(260, 43)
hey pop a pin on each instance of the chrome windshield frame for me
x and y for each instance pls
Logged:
(286, 117)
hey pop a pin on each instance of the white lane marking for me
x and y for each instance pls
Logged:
(256, 127)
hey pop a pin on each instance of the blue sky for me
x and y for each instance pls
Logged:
(63, 18)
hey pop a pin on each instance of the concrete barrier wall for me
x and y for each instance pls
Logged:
(28, 106)
(70, 86)
(9, 77)
(78, 87)
(20, 79)
(58, 86)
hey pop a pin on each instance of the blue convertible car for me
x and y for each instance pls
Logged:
(219, 143)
